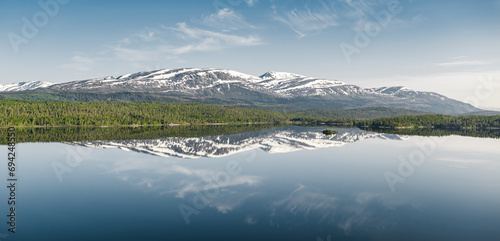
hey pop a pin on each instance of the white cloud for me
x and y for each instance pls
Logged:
(461, 160)
(251, 2)
(305, 20)
(214, 32)
(149, 36)
(356, 14)
(419, 19)
(226, 20)
(361, 15)
(167, 43)
(463, 63)
(204, 40)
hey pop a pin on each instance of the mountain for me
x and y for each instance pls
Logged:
(31, 85)
(280, 140)
(272, 90)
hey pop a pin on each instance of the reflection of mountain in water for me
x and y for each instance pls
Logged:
(280, 140)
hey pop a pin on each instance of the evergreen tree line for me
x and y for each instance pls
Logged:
(51, 113)
(75, 134)
(435, 121)
(418, 121)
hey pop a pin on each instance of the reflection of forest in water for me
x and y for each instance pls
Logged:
(74, 134)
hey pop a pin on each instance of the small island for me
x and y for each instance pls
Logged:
(330, 132)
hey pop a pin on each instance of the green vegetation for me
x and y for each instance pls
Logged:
(48, 113)
(33, 97)
(52, 113)
(420, 121)
(330, 132)
(483, 133)
(361, 113)
(81, 120)
(74, 134)
(433, 121)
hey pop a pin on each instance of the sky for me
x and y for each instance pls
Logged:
(449, 46)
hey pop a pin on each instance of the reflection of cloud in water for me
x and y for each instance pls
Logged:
(302, 206)
(174, 178)
(250, 220)
(461, 163)
(368, 211)
(462, 160)
(168, 177)
(209, 184)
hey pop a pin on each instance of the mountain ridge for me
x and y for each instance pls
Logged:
(271, 88)
(21, 86)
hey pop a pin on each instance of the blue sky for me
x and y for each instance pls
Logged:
(450, 46)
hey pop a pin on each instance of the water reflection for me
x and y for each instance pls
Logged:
(280, 140)
(289, 183)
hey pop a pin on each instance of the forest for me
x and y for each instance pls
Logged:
(51, 113)
(76, 134)
(54, 113)
(418, 121)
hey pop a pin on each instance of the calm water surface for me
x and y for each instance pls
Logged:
(291, 183)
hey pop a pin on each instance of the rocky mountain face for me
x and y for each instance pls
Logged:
(268, 89)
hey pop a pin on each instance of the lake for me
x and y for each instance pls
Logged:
(287, 183)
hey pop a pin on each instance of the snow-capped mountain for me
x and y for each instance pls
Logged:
(31, 85)
(290, 84)
(235, 88)
(218, 81)
(281, 140)
(178, 80)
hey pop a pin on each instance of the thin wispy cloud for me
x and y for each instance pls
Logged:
(226, 20)
(251, 3)
(307, 19)
(463, 63)
(419, 18)
(214, 32)
(316, 16)
(461, 160)
(204, 40)
(362, 15)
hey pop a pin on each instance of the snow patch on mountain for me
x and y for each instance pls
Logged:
(281, 76)
(30, 85)
(394, 90)
(196, 80)
(291, 84)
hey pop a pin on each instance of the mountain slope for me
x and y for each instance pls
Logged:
(272, 90)
(21, 86)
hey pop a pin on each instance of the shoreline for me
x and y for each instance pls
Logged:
(340, 125)
(148, 125)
